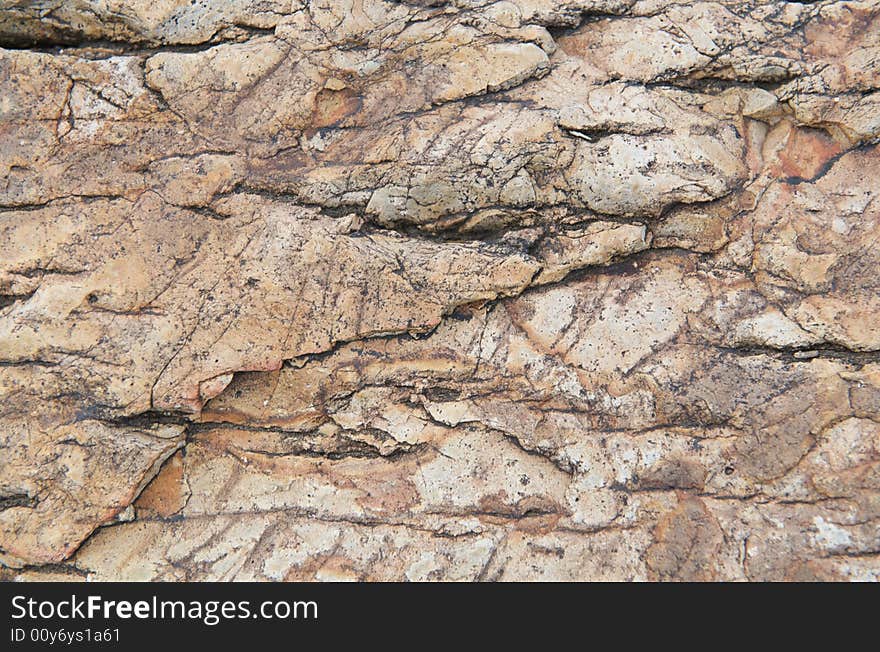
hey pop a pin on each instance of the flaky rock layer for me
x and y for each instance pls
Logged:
(469, 290)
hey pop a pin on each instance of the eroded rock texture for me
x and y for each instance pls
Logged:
(469, 290)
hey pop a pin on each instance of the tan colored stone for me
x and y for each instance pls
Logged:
(485, 290)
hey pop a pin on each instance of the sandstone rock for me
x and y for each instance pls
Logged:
(484, 290)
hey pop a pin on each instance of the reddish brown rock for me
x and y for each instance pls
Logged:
(514, 290)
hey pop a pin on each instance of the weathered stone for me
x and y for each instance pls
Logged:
(483, 290)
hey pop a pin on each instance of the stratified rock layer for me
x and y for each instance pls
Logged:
(470, 290)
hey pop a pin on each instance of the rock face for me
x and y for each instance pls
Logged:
(426, 290)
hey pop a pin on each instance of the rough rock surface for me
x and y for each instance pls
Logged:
(440, 290)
